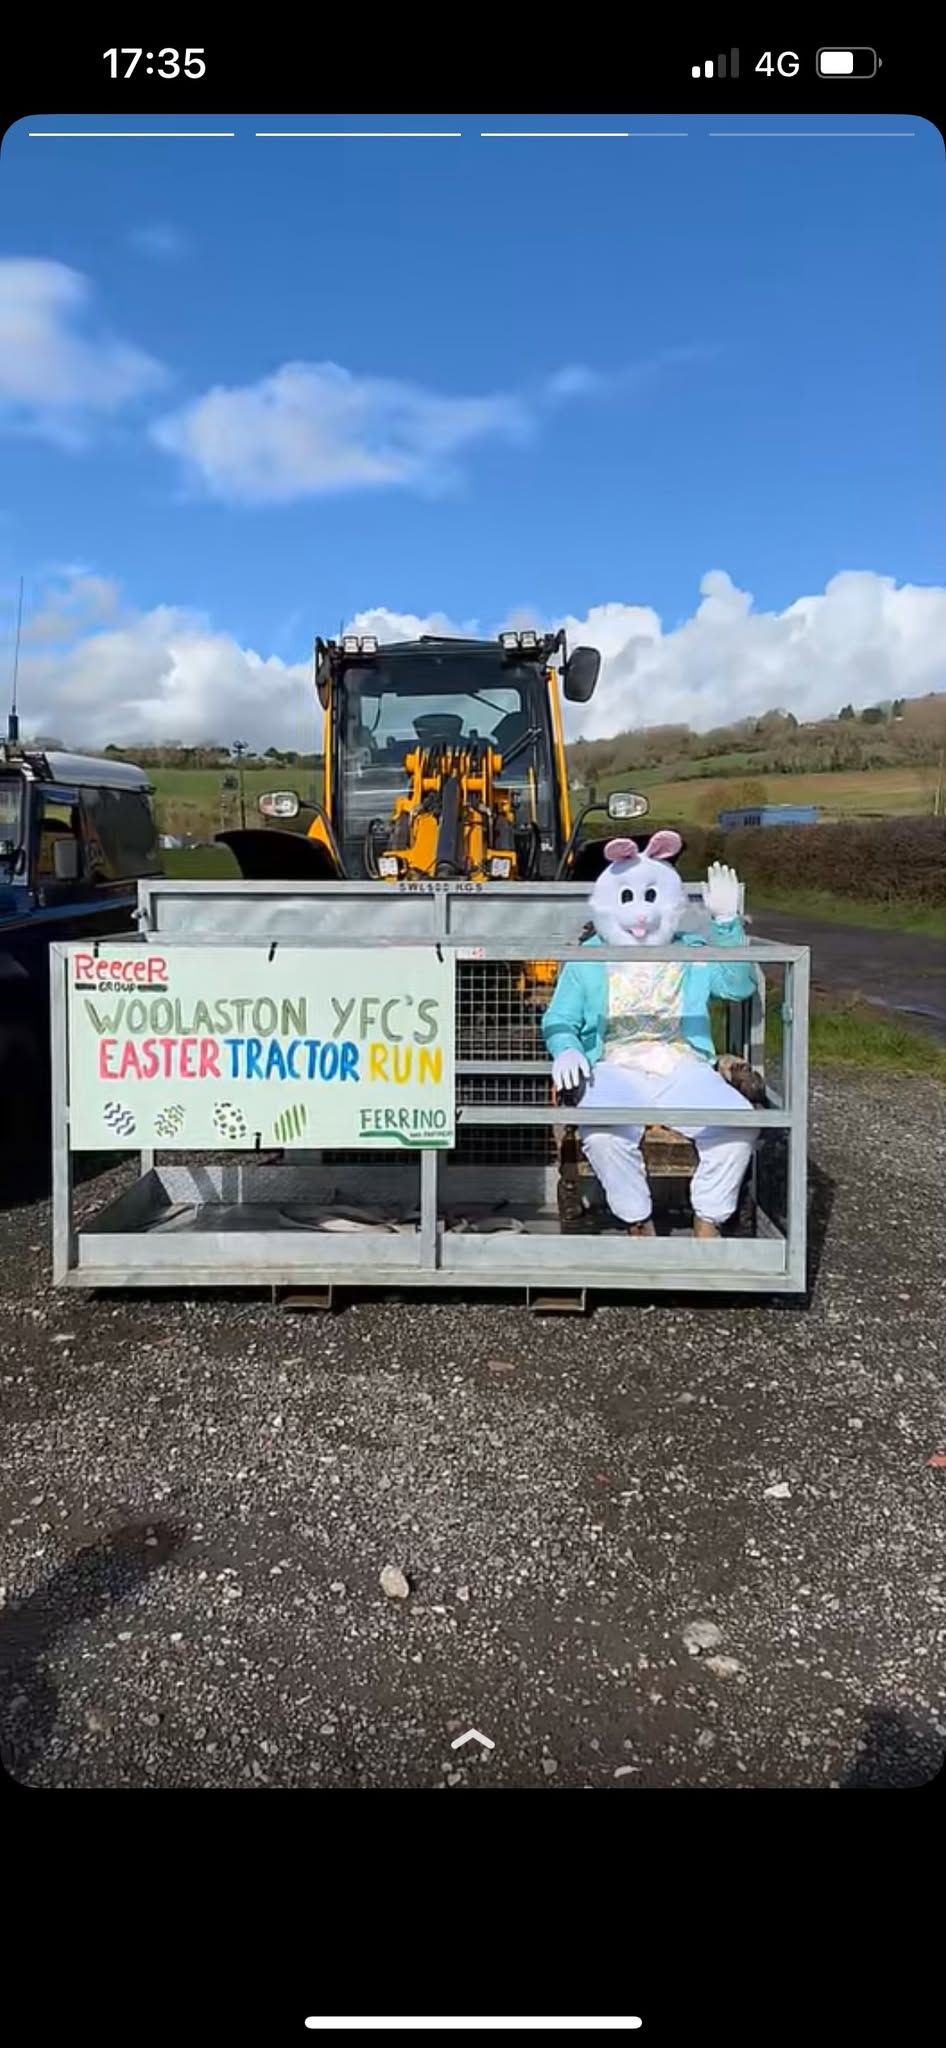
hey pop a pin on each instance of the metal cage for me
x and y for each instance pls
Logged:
(483, 1215)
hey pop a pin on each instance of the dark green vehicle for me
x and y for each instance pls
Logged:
(76, 834)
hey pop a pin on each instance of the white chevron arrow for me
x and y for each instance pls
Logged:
(472, 1735)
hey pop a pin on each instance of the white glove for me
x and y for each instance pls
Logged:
(721, 892)
(568, 1068)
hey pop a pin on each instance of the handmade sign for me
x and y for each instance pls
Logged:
(241, 1048)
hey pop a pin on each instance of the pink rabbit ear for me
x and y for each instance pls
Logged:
(663, 845)
(621, 849)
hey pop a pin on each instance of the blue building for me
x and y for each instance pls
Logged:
(769, 814)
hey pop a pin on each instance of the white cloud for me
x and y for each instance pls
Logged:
(161, 674)
(388, 625)
(314, 428)
(71, 607)
(862, 639)
(626, 380)
(57, 369)
(159, 239)
(168, 673)
(309, 429)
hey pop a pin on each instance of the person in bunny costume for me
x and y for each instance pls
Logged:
(639, 1035)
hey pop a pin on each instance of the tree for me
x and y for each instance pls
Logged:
(874, 715)
(847, 711)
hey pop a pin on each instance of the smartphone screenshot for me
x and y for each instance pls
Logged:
(472, 965)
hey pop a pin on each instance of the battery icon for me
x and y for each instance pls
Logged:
(857, 63)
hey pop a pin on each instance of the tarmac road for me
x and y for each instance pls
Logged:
(897, 970)
(197, 1500)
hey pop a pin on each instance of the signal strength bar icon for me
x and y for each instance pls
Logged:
(717, 67)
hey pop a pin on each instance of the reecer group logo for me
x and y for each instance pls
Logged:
(120, 976)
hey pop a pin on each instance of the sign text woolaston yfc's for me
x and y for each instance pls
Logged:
(238, 1047)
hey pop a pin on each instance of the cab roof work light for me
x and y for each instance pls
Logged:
(528, 641)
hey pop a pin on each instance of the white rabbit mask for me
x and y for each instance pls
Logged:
(639, 900)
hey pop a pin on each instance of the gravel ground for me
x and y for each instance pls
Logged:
(197, 1500)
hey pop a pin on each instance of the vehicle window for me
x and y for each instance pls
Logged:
(385, 717)
(56, 819)
(9, 808)
(123, 840)
(11, 811)
(137, 832)
(389, 722)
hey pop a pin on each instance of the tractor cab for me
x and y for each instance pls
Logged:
(445, 757)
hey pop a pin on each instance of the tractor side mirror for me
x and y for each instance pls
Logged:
(66, 859)
(627, 804)
(279, 803)
(581, 674)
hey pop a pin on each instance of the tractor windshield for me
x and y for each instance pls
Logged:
(389, 707)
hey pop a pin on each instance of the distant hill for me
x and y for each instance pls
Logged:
(905, 732)
(897, 733)
(888, 758)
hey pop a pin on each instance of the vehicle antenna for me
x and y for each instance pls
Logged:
(13, 720)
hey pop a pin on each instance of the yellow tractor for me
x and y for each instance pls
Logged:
(444, 763)
(444, 759)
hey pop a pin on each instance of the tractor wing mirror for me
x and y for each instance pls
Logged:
(625, 803)
(279, 803)
(581, 674)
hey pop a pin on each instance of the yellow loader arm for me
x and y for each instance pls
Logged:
(453, 821)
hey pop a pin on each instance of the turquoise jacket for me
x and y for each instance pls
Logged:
(577, 1014)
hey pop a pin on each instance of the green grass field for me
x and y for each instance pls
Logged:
(846, 1032)
(925, 920)
(205, 864)
(189, 799)
(714, 766)
(870, 793)
(854, 1034)
(687, 798)
(202, 785)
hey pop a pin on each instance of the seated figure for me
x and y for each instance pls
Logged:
(638, 1034)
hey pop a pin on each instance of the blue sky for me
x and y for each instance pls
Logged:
(567, 375)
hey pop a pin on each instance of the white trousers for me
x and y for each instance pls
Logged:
(614, 1152)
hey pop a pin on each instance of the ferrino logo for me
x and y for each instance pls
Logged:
(122, 976)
